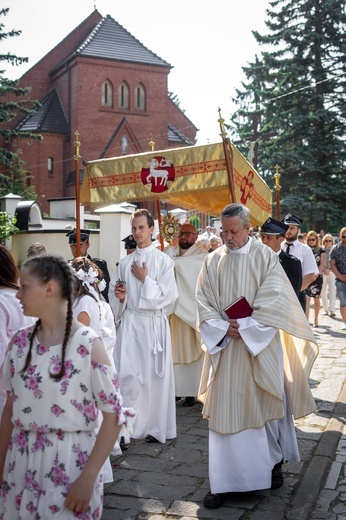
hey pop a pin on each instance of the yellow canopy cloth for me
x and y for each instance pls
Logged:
(191, 178)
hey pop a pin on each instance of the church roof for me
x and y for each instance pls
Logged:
(177, 137)
(49, 117)
(109, 40)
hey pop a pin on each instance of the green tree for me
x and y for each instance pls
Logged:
(18, 182)
(293, 105)
(7, 226)
(195, 221)
(11, 107)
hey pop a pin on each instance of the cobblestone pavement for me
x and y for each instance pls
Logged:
(156, 482)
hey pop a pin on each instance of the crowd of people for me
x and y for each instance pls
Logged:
(89, 362)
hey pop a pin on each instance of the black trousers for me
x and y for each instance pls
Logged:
(302, 299)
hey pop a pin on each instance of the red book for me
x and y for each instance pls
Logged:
(240, 308)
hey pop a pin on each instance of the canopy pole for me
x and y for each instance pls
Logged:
(76, 158)
(158, 206)
(227, 149)
(277, 190)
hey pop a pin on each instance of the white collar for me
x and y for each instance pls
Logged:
(242, 250)
(143, 250)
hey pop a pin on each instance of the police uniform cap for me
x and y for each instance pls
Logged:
(292, 219)
(274, 227)
(129, 242)
(84, 235)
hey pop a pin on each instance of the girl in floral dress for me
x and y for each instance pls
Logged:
(57, 375)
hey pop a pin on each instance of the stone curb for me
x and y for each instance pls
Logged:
(304, 500)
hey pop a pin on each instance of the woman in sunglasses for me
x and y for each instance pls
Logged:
(328, 287)
(314, 289)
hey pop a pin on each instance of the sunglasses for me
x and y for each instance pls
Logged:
(328, 240)
(311, 239)
(343, 236)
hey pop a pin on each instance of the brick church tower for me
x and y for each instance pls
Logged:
(103, 82)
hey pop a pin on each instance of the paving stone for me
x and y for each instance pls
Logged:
(150, 490)
(195, 510)
(169, 481)
(325, 498)
(124, 503)
(109, 514)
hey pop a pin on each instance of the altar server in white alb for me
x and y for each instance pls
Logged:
(256, 368)
(143, 351)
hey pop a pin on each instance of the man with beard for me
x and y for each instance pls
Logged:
(292, 246)
(272, 235)
(256, 368)
(186, 341)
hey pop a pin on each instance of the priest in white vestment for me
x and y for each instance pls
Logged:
(186, 340)
(143, 354)
(255, 373)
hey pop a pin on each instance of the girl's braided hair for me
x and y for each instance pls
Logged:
(46, 268)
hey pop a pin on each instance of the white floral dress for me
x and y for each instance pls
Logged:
(54, 423)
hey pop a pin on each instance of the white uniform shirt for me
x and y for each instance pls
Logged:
(304, 254)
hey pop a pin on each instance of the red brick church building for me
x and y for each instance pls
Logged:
(103, 82)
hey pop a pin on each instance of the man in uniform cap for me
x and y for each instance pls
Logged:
(273, 234)
(301, 251)
(129, 244)
(84, 246)
(186, 341)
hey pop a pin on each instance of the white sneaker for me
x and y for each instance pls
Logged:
(343, 327)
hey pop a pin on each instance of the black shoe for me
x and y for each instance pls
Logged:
(123, 445)
(189, 401)
(150, 438)
(277, 477)
(213, 500)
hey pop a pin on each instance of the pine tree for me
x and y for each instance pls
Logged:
(294, 99)
(18, 182)
(10, 106)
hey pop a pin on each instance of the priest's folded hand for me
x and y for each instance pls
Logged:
(232, 330)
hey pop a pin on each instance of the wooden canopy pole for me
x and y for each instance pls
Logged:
(227, 148)
(76, 158)
(277, 189)
(158, 206)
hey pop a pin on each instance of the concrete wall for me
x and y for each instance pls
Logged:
(105, 243)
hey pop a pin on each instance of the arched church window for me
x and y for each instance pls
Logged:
(107, 93)
(123, 95)
(140, 97)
